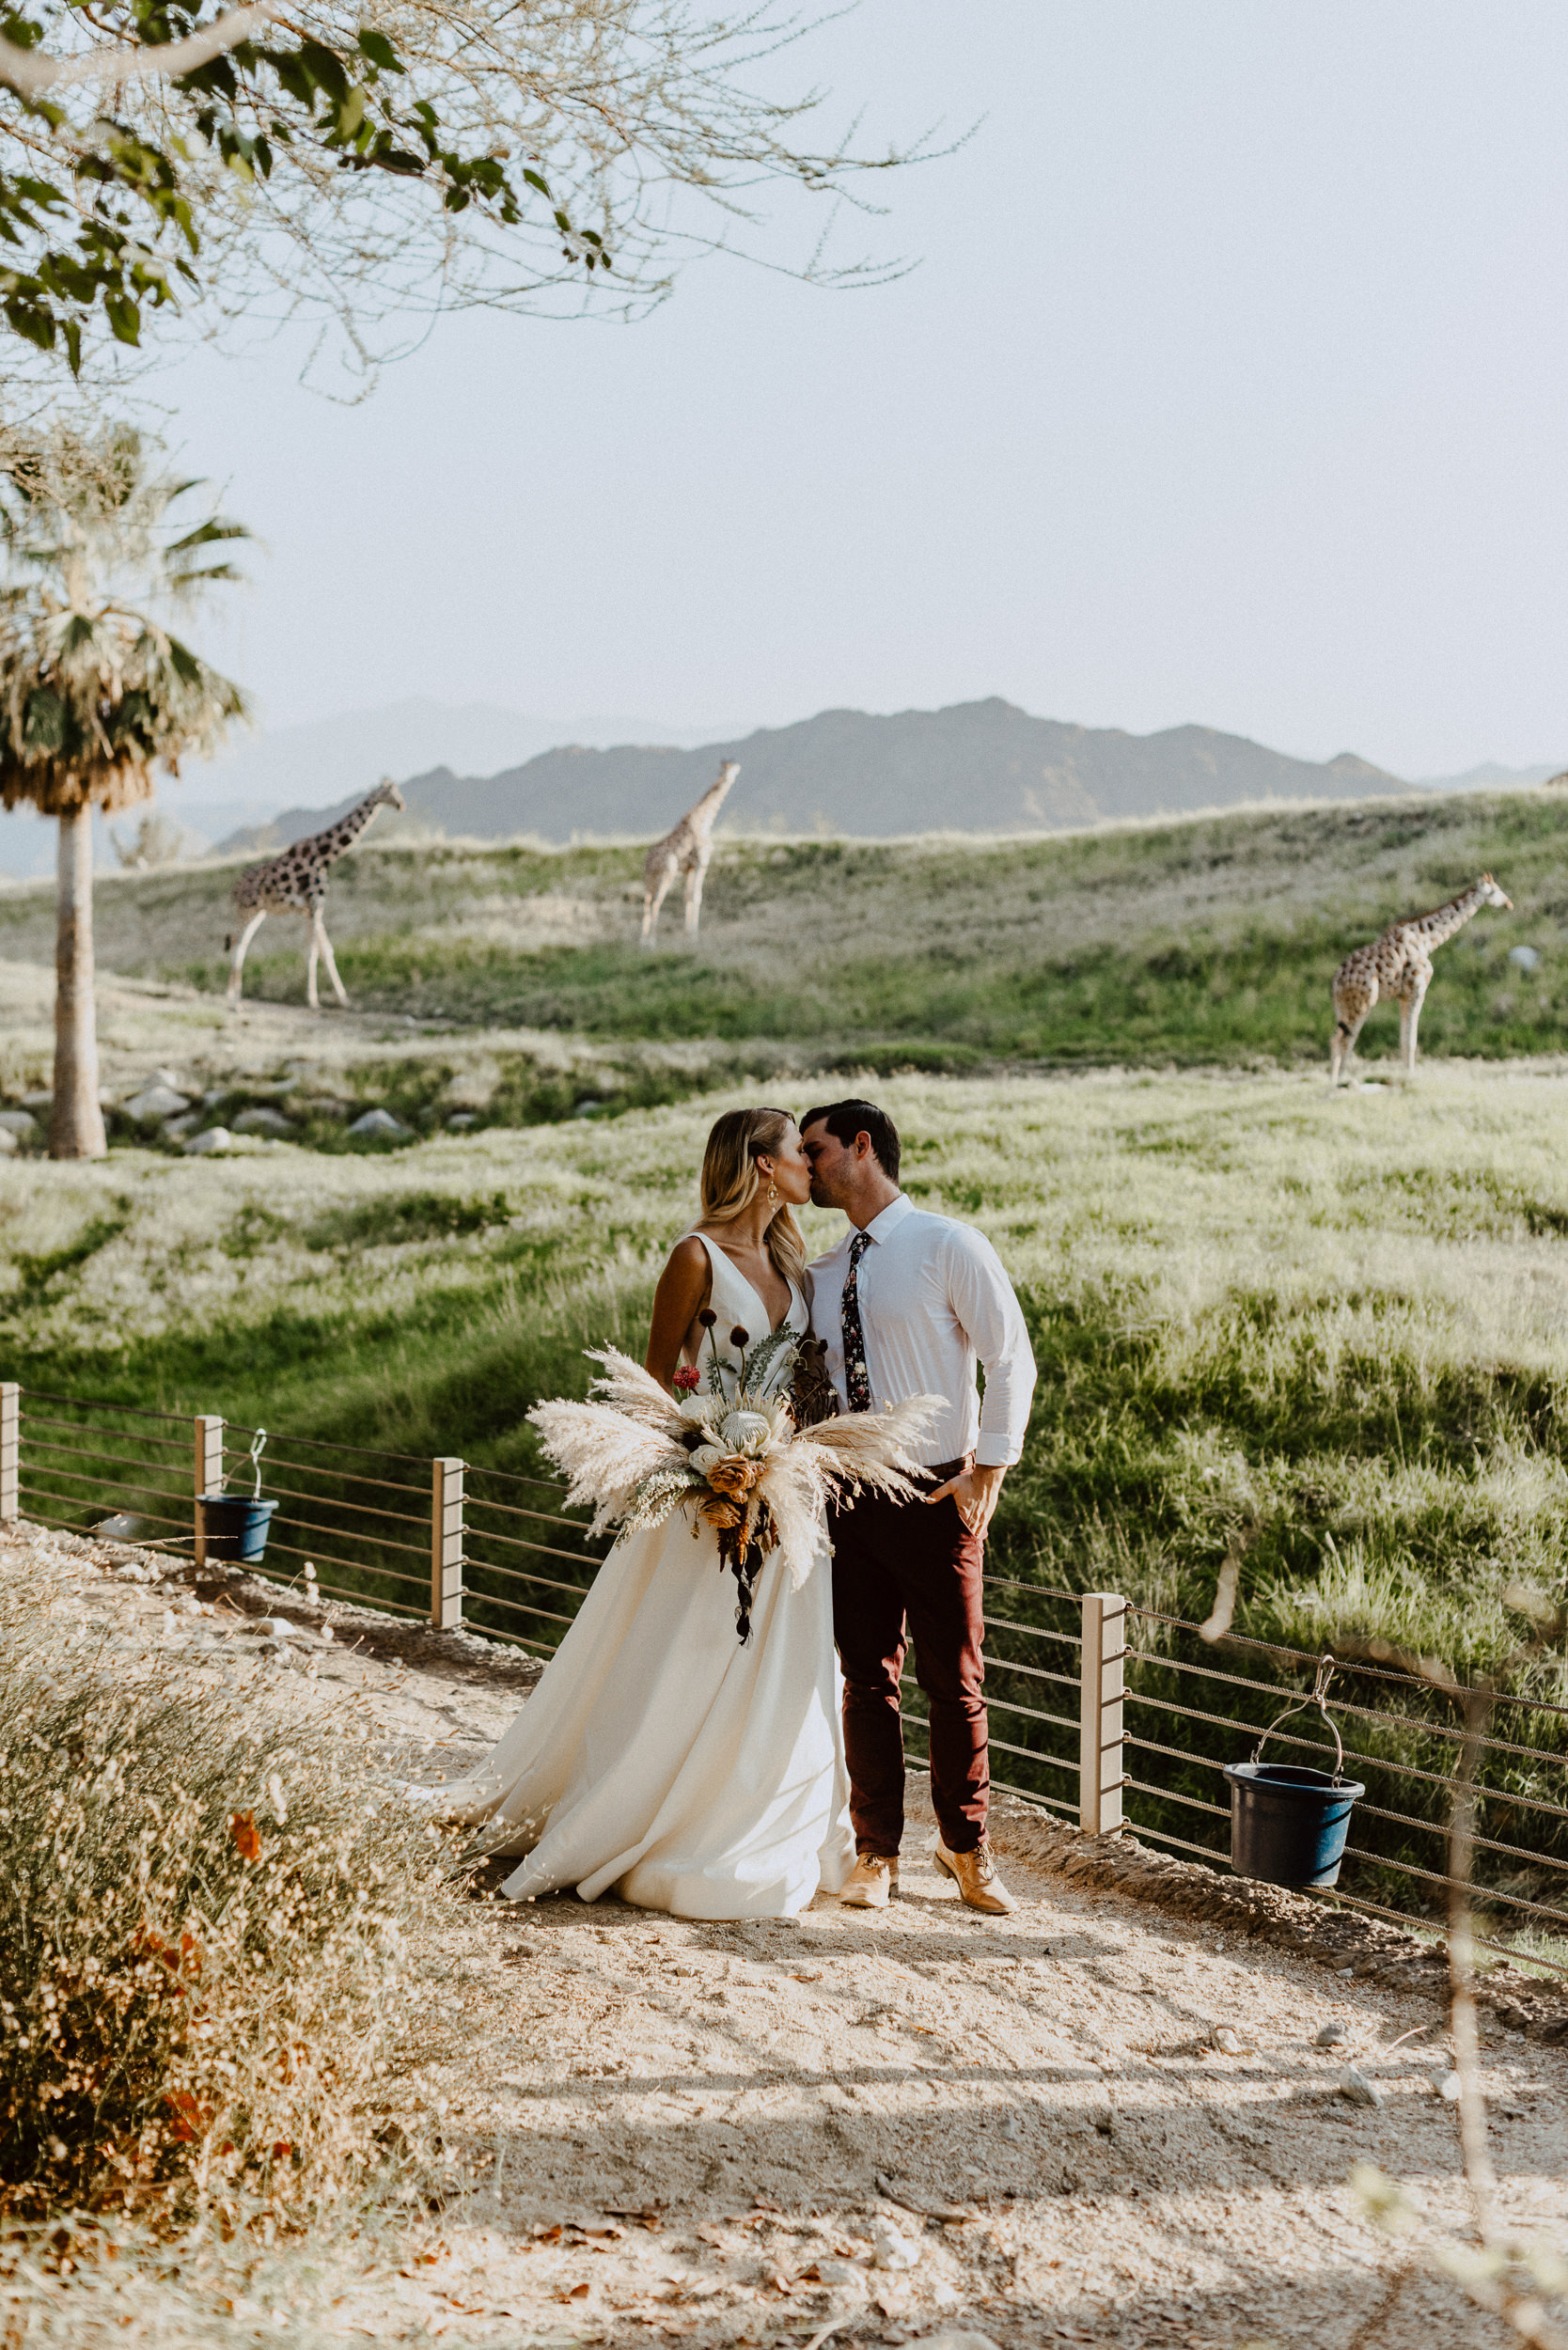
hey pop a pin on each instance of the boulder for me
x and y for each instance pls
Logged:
(262, 1119)
(378, 1121)
(158, 1100)
(208, 1145)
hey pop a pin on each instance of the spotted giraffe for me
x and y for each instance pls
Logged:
(687, 850)
(1399, 964)
(295, 882)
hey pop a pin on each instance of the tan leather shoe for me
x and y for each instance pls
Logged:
(872, 1883)
(975, 1875)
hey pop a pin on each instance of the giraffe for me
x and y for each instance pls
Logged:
(686, 850)
(1399, 964)
(295, 882)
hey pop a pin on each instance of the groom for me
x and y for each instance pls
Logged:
(907, 1303)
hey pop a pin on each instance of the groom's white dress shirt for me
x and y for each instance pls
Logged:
(935, 1299)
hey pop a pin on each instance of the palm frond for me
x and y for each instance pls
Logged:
(95, 693)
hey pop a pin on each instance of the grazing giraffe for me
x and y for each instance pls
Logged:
(1399, 964)
(686, 850)
(295, 882)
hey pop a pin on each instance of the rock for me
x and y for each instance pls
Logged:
(832, 2272)
(261, 1121)
(20, 1124)
(1447, 2087)
(1358, 2091)
(378, 1121)
(588, 1109)
(158, 1101)
(460, 1119)
(892, 2248)
(206, 1146)
(1523, 958)
(41, 1100)
(166, 1077)
(1331, 2036)
(8, 1141)
(1225, 2039)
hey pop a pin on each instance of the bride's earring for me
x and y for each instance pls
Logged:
(773, 1194)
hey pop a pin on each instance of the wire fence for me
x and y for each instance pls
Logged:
(1102, 1712)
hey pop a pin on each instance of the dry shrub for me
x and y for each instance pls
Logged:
(208, 1928)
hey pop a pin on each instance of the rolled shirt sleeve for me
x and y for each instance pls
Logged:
(984, 1303)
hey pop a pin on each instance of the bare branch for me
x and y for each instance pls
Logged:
(32, 73)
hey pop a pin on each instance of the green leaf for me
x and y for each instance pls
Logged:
(34, 325)
(380, 51)
(326, 69)
(124, 317)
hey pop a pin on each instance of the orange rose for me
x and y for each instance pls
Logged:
(735, 1475)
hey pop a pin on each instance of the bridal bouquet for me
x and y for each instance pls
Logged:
(728, 1446)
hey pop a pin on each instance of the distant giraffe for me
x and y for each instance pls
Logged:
(1399, 964)
(687, 850)
(295, 882)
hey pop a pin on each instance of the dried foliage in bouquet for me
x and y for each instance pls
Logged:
(210, 1929)
(728, 1447)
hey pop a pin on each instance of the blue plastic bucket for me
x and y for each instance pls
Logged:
(233, 1526)
(1289, 1823)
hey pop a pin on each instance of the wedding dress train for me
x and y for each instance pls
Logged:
(658, 1756)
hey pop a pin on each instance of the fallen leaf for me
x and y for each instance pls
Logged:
(247, 1844)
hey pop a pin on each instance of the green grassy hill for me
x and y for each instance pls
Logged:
(1328, 1336)
(1209, 940)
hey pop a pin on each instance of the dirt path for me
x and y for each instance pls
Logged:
(892, 2125)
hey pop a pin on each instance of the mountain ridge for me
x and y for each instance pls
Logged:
(986, 766)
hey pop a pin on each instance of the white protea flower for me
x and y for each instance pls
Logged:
(746, 1432)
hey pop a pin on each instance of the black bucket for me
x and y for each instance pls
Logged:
(233, 1526)
(1289, 1823)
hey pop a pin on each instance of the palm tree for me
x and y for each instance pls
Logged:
(95, 693)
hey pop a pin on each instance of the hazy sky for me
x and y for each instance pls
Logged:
(1230, 387)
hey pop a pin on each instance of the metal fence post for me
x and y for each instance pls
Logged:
(208, 1471)
(446, 1544)
(1100, 1731)
(11, 1448)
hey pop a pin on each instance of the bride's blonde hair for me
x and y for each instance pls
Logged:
(730, 1181)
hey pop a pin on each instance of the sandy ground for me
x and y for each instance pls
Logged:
(887, 2126)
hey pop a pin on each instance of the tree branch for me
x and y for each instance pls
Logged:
(31, 74)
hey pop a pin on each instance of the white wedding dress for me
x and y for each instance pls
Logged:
(658, 1757)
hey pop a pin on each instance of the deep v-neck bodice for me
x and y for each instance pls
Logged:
(727, 1276)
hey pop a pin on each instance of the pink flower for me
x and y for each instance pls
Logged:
(686, 1381)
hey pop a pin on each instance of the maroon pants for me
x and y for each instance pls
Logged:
(903, 1569)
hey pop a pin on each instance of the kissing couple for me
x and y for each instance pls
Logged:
(662, 1757)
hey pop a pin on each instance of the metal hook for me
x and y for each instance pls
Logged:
(258, 1445)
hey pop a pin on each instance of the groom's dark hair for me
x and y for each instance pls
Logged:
(845, 1119)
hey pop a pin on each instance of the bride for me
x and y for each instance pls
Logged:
(659, 1756)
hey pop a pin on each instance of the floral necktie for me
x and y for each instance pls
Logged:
(857, 1379)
